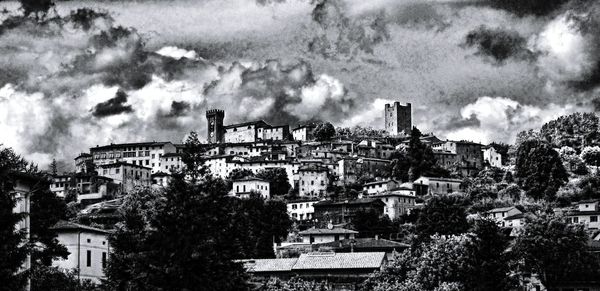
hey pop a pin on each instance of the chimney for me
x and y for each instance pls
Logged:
(376, 237)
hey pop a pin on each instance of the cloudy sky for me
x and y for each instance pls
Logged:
(148, 70)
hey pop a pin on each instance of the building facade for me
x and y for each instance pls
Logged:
(436, 186)
(313, 181)
(145, 154)
(214, 118)
(129, 176)
(244, 187)
(301, 210)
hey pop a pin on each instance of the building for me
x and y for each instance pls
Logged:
(88, 250)
(377, 187)
(587, 213)
(23, 184)
(145, 154)
(325, 235)
(492, 157)
(363, 245)
(342, 271)
(469, 155)
(397, 202)
(303, 132)
(60, 185)
(244, 187)
(161, 179)
(171, 163)
(129, 176)
(348, 169)
(398, 118)
(84, 163)
(374, 167)
(435, 186)
(506, 216)
(344, 211)
(313, 181)
(254, 131)
(214, 118)
(301, 210)
(91, 188)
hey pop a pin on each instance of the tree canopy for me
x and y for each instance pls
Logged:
(539, 170)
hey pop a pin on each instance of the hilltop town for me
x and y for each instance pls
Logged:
(340, 208)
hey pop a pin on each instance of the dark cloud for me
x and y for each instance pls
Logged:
(498, 43)
(178, 108)
(529, 7)
(113, 106)
(341, 36)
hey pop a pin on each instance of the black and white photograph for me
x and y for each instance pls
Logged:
(299, 145)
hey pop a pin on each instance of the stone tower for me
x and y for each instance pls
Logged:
(398, 118)
(214, 118)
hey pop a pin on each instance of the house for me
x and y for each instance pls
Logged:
(160, 179)
(60, 185)
(377, 187)
(344, 211)
(469, 155)
(88, 249)
(301, 210)
(303, 132)
(145, 154)
(397, 202)
(435, 186)
(313, 180)
(23, 185)
(374, 167)
(363, 245)
(492, 157)
(347, 170)
(324, 235)
(171, 163)
(506, 216)
(587, 213)
(254, 131)
(128, 176)
(341, 270)
(84, 163)
(242, 188)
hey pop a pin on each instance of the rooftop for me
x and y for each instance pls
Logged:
(348, 202)
(380, 182)
(247, 179)
(366, 260)
(365, 243)
(255, 123)
(134, 144)
(66, 225)
(327, 231)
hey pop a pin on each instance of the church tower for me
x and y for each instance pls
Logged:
(214, 118)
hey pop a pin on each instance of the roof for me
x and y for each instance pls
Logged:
(313, 167)
(502, 209)
(380, 182)
(166, 155)
(366, 260)
(588, 201)
(578, 213)
(304, 126)
(250, 179)
(441, 179)
(83, 155)
(270, 265)
(394, 193)
(257, 122)
(359, 243)
(66, 225)
(348, 202)
(160, 174)
(133, 144)
(516, 216)
(327, 231)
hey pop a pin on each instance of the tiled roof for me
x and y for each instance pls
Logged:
(66, 225)
(380, 182)
(133, 144)
(270, 265)
(516, 216)
(256, 123)
(327, 231)
(366, 243)
(349, 202)
(330, 261)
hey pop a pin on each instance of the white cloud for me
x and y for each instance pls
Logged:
(177, 53)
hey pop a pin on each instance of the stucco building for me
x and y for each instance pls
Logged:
(313, 181)
(242, 188)
(147, 154)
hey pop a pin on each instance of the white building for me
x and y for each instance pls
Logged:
(397, 202)
(129, 176)
(587, 213)
(313, 181)
(303, 133)
(380, 186)
(88, 250)
(171, 163)
(145, 154)
(506, 216)
(60, 185)
(325, 235)
(301, 210)
(435, 186)
(244, 187)
(491, 156)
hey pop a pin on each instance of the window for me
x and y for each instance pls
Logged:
(153, 155)
(117, 170)
(89, 240)
(575, 219)
(594, 218)
(89, 258)
(103, 259)
(147, 162)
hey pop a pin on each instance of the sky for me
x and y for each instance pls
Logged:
(148, 70)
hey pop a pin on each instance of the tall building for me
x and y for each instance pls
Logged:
(215, 125)
(398, 118)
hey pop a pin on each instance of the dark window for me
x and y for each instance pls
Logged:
(89, 258)
(593, 218)
(103, 260)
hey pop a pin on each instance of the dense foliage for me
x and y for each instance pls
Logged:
(539, 170)
(575, 130)
(278, 180)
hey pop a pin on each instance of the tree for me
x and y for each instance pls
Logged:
(46, 210)
(571, 160)
(422, 160)
(369, 224)
(573, 130)
(53, 279)
(13, 244)
(53, 167)
(192, 157)
(324, 131)
(555, 250)
(237, 174)
(591, 156)
(295, 284)
(539, 170)
(443, 215)
(400, 166)
(277, 178)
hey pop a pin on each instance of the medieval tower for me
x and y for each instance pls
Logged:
(398, 118)
(214, 118)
